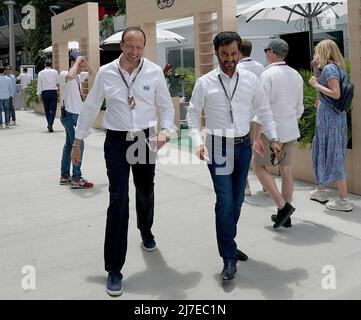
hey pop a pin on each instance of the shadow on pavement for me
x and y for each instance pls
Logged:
(88, 193)
(303, 234)
(270, 281)
(160, 281)
(353, 216)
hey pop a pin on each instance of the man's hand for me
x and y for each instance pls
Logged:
(79, 59)
(202, 153)
(76, 155)
(161, 140)
(276, 148)
(258, 147)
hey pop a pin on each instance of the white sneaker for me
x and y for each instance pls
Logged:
(340, 205)
(247, 190)
(319, 196)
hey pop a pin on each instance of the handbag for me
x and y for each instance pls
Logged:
(347, 90)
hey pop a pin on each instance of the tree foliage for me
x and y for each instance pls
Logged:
(40, 38)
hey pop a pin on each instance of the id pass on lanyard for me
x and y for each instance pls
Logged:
(229, 98)
(131, 100)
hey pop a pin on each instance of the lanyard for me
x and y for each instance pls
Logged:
(79, 87)
(226, 93)
(131, 100)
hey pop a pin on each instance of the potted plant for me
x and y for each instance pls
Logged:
(31, 96)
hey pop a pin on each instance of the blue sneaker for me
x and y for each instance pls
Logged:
(114, 283)
(148, 243)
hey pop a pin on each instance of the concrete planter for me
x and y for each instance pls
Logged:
(39, 108)
(302, 166)
(98, 122)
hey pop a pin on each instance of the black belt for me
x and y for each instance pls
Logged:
(235, 140)
(132, 134)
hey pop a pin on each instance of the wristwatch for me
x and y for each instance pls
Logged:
(165, 133)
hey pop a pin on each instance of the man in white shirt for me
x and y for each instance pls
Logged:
(247, 63)
(284, 89)
(71, 105)
(9, 73)
(24, 78)
(5, 88)
(48, 80)
(133, 87)
(230, 98)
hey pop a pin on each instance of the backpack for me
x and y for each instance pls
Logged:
(347, 89)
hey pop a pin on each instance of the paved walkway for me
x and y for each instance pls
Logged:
(60, 232)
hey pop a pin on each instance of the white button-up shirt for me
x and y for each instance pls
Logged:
(284, 89)
(252, 66)
(5, 87)
(13, 85)
(249, 100)
(149, 90)
(48, 79)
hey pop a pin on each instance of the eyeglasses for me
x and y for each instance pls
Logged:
(273, 157)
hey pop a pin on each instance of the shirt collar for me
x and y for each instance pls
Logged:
(245, 59)
(275, 64)
(220, 71)
(136, 69)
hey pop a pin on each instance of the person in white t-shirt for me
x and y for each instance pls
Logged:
(71, 104)
(247, 63)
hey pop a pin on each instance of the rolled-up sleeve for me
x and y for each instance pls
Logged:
(196, 106)
(262, 108)
(164, 102)
(90, 109)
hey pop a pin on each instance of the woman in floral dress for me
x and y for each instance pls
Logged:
(330, 141)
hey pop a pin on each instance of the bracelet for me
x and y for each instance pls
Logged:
(76, 145)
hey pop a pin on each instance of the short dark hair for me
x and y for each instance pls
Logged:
(225, 38)
(48, 63)
(2, 69)
(246, 48)
(25, 69)
(129, 29)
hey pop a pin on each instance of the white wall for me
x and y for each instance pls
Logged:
(259, 32)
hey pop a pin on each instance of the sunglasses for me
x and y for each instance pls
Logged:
(274, 158)
(267, 49)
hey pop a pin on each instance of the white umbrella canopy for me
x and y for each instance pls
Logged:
(320, 11)
(162, 36)
(71, 45)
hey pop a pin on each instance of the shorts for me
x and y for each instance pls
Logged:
(284, 159)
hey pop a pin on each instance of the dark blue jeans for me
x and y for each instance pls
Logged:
(229, 164)
(50, 98)
(4, 106)
(69, 122)
(118, 169)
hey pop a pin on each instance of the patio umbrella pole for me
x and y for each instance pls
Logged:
(310, 24)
